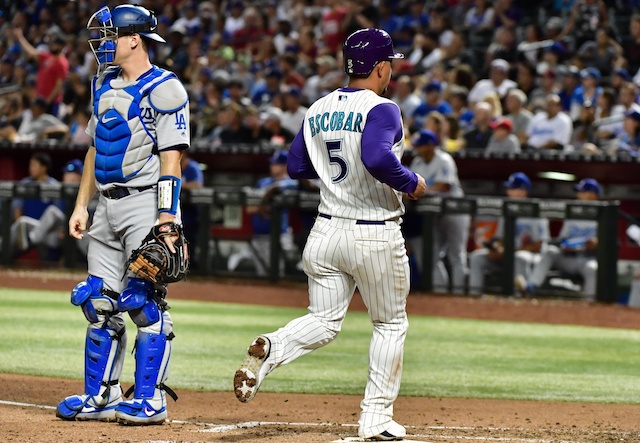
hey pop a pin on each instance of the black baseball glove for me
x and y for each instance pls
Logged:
(155, 262)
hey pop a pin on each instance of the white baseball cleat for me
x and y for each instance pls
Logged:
(253, 369)
(394, 432)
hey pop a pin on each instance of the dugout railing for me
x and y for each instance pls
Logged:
(213, 200)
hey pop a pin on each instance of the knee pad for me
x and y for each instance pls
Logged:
(94, 299)
(138, 298)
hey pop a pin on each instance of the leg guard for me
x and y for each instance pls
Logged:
(106, 338)
(149, 405)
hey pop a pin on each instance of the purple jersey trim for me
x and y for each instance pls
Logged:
(382, 130)
(298, 163)
(350, 89)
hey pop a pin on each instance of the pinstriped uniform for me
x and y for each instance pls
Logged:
(344, 251)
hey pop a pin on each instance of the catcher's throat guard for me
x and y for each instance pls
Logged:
(154, 261)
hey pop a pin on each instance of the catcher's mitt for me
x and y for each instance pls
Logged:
(155, 262)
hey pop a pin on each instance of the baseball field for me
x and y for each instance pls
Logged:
(475, 369)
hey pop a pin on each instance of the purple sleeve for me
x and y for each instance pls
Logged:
(383, 129)
(299, 164)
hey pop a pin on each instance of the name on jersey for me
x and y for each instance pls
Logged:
(336, 121)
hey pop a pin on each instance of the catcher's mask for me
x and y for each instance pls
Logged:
(107, 25)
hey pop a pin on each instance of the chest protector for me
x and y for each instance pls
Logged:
(124, 142)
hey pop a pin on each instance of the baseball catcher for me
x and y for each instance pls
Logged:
(161, 262)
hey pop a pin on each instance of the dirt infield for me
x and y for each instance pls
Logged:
(219, 417)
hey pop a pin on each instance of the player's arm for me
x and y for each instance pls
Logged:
(299, 164)
(168, 188)
(86, 191)
(382, 130)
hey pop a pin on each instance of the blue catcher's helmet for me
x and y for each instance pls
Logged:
(365, 48)
(122, 20)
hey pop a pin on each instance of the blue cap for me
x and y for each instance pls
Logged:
(273, 72)
(623, 73)
(74, 166)
(425, 137)
(294, 91)
(279, 157)
(518, 180)
(433, 86)
(590, 72)
(589, 185)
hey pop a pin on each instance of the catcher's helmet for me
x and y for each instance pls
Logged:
(365, 48)
(122, 20)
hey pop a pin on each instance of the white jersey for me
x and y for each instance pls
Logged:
(575, 233)
(333, 134)
(528, 230)
(441, 169)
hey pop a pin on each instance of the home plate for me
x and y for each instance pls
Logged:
(352, 439)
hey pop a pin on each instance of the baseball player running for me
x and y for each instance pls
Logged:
(140, 125)
(352, 139)
(451, 231)
(576, 254)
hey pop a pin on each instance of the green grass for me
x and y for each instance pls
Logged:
(43, 334)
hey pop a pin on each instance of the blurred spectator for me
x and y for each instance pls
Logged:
(628, 141)
(619, 77)
(587, 92)
(294, 112)
(234, 19)
(587, 16)
(78, 126)
(457, 53)
(550, 129)
(606, 110)
(503, 45)
(326, 79)
(506, 14)
(459, 107)
(405, 97)
(361, 14)
(547, 86)
(36, 125)
(583, 135)
(53, 68)
(335, 21)
(416, 19)
(603, 54)
(259, 250)
(265, 91)
(526, 79)
(570, 83)
(531, 238)
(192, 178)
(632, 45)
(452, 140)
(477, 137)
(287, 64)
(432, 102)
(576, 254)
(178, 57)
(271, 130)
(502, 140)
(494, 101)
(306, 44)
(231, 128)
(518, 114)
(31, 208)
(435, 123)
(426, 52)
(458, 13)
(50, 229)
(480, 18)
(498, 81)
(451, 231)
(237, 94)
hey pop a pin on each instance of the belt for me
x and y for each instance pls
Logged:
(119, 192)
(358, 222)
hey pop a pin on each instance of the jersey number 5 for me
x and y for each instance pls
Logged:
(334, 147)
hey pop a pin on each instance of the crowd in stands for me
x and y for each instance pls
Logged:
(502, 75)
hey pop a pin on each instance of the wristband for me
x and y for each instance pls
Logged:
(169, 194)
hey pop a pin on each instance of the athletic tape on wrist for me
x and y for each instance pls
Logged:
(169, 194)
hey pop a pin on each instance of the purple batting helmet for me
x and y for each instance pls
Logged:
(365, 48)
